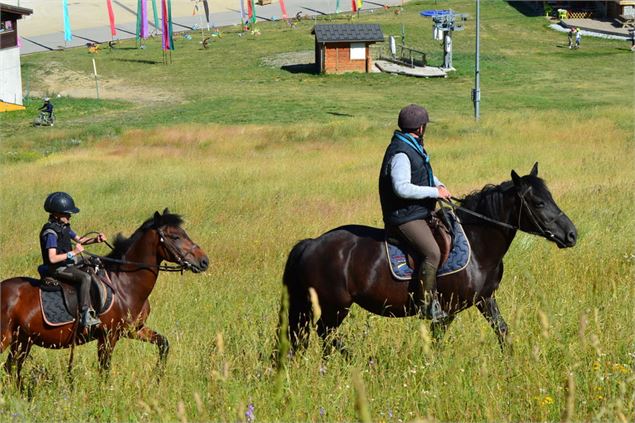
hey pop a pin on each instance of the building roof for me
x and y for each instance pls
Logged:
(15, 10)
(347, 33)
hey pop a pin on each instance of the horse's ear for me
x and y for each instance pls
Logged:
(515, 178)
(157, 218)
(166, 211)
(534, 170)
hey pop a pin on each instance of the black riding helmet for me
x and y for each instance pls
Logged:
(60, 202)
(412, 117)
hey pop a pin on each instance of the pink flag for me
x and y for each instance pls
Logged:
(165, 28)
(284, 10)
(111, 17)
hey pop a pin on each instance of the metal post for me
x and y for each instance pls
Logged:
(476, 92)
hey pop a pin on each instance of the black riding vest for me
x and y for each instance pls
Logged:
(63, 240)
(397, 210)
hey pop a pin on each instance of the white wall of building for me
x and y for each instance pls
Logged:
(11, 80)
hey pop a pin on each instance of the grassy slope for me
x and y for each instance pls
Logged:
(303, 171)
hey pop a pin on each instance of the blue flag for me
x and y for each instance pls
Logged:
(68, 36)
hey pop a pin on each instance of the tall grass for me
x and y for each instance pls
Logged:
(257, 158)
(249, 193)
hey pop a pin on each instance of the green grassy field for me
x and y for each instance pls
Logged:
(256, 158)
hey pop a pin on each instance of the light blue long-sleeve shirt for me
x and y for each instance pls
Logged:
(402, 184)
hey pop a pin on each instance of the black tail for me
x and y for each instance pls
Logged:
(299, 301)
(290, 269)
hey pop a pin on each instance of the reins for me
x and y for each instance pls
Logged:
(182, 263)
(541, 226)
(475, 214)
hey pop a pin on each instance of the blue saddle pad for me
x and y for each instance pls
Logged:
(54, 308)
(457, 260)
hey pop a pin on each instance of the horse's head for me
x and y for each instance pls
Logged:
(538, 212)
(175, 244)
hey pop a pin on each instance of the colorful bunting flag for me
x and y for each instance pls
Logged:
(111, 18)
(68, 35)
(253, 11)
(142, 19)
(337, 6)
(354, 5)
(242, 14)
(167, 42)
(155, 12)
(171, 33)
(206, 7)
(283, 9)
(250, 10)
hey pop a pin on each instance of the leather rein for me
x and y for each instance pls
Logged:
(542, 231)
(182, 264)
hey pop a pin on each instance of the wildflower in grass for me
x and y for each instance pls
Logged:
(547, 400)
(596, 365)
(544, 400)
(617, 367)
(249, 414)
(322, 411)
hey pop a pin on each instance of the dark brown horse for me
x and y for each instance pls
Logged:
(348, 265)
(133, 268)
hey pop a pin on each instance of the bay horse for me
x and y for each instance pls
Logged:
(133, 267)
(348, 264)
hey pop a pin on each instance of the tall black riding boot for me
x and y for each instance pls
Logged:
(429, 306)
(88, 316)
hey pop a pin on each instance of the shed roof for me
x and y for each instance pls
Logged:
(347, 33)
(15, 10)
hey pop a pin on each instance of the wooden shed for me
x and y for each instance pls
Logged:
(345, 47)
(10, 75)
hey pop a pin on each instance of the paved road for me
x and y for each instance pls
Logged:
(53, 41)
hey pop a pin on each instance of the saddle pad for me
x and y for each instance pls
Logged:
(457, 260)
(54, 310)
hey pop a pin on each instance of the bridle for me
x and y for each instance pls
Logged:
(182, 263)
(542, 226)
(524, 205)
(176, 253)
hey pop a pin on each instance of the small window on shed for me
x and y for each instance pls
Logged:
(358, 51)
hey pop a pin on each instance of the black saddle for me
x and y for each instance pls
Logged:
(62, 292)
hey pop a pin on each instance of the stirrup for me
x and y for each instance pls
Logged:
(89, 318)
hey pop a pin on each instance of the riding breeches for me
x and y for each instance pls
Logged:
(419, 235)
(79, 277)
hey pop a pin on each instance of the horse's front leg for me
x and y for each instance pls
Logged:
(145, 334)
(439, 329)
(489, 309)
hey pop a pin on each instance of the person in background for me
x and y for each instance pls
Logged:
(571, 36)
(47, 107)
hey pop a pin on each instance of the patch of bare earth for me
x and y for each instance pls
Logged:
(306, 57)
(56, 79)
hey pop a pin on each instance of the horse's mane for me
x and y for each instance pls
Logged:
(487, 200)
(122, 244)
